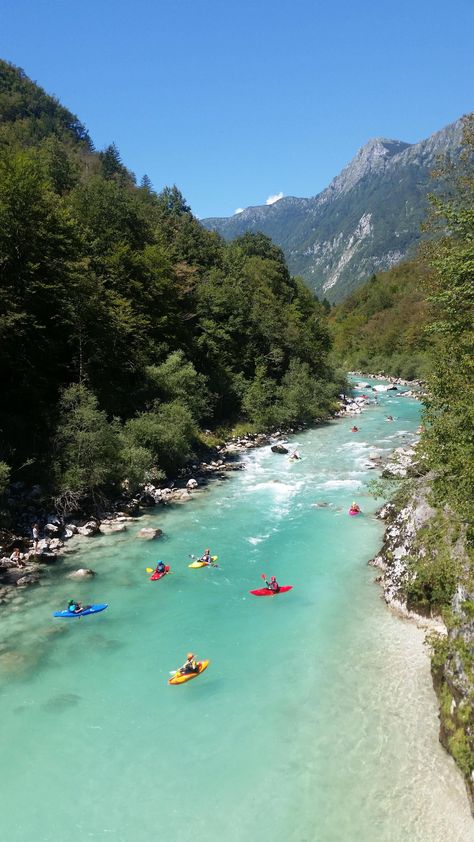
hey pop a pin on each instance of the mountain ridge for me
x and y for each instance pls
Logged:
(366, 220)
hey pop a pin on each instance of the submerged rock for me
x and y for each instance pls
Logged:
(107, 528)
(279, 448)
(82, 573)
(148, 533)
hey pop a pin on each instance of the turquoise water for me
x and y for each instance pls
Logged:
(315, 722)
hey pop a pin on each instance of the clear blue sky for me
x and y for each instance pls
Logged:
(237, 101)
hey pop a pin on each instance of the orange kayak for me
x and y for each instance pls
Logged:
(179, 678)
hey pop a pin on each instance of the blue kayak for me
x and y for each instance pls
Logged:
(91, 609)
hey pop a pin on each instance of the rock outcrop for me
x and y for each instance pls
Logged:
(425, 576)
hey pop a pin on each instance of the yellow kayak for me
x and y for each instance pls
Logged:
(197, 564)
(179, 678)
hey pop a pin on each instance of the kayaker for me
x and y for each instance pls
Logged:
(355, 430)
(273, 584)
(295, 455)
(206, 558)
(74, 606)
(190, 665)
(160, 567)
(355, 507)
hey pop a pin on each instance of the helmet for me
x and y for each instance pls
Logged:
(273, 579)
(207, 550)
(190, 655)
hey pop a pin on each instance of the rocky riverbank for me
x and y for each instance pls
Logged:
(26, 567)
(411, 388)
(425, 576)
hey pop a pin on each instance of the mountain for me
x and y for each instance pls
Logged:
(367, 220)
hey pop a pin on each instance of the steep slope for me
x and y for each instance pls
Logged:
(381, 326)
(367, 220)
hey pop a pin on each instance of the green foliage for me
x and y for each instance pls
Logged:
(115, 286)
(167, 433)
(449, 437)
(4, 477)
(177, 379)
(382, 326)
(86, 443)
(433, 582)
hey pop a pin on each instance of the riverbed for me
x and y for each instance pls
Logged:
(315, 721)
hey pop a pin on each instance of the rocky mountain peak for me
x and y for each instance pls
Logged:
(372, 157)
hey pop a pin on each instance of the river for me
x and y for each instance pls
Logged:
(315, 721)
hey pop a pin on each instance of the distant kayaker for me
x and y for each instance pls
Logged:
(355, 430)
(355, 508)
(190, 665)
(206, 558)
(295, 455)
(389, 417)
(273, 584)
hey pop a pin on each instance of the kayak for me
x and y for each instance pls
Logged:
(91, 609)
(197, 563)
(354, 512)
(156, 576)
(269, 592)
(178, 678)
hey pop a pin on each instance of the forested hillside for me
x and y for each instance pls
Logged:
(125, 326)
(382, 326)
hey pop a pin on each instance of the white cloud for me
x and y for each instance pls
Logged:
(238, 210)
(272, 199)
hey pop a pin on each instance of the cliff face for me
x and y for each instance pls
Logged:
(424, 560)
(365, 221)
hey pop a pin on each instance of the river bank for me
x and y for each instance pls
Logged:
(425, 577)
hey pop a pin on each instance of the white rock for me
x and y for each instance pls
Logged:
(113, 526)
(82, 573)
(148, 533)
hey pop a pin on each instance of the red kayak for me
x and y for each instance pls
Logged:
(156, 576)
(269, 592)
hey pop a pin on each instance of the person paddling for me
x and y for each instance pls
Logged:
(160, 567)
(355, 508)
(273, 585)
(190, 665)
(206, 558)
(74, 606)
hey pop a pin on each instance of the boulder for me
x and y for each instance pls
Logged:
(148, 533)
(108, 527)
(131, 509)
(51, 530)
(55, 544)
(279, 448)
(82, 573)
(69, 532)
(27, 579)
(147, 500)
(89, 528)
(192, 483)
